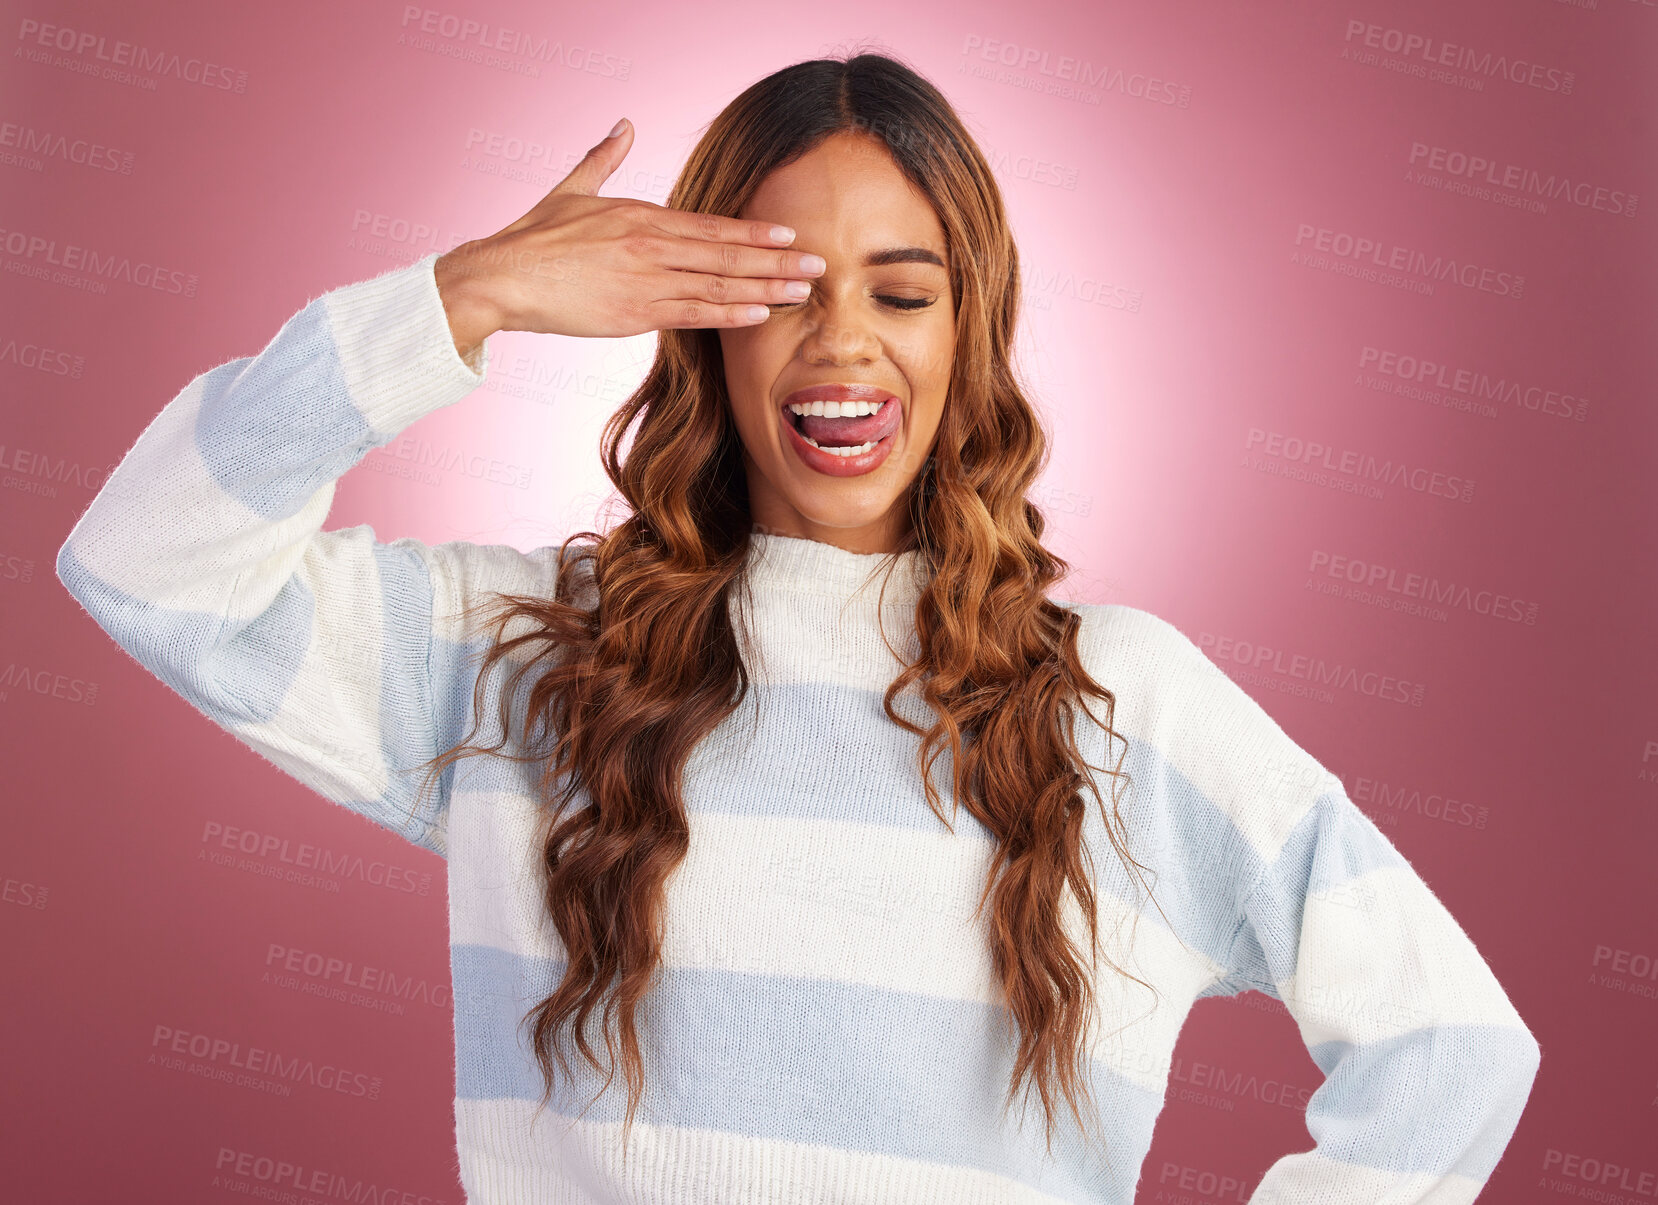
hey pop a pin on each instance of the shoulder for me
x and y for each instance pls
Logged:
(1119, 630)
(468, 575)
(1151, 664)
(1199, 734)
(1169, 695)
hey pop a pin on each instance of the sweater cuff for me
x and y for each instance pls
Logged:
(396, 350)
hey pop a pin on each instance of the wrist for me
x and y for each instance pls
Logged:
(463, 286)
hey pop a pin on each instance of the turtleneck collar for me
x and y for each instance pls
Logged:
(812, 566)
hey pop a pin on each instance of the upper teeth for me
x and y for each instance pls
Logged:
(835, 409)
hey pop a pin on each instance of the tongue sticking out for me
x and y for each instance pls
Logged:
(849, 432)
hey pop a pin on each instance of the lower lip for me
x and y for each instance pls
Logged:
(831, 465)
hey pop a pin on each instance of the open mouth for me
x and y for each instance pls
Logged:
(850, 436)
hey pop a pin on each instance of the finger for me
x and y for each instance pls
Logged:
(735, 260)
(583, 180)
(597, 165)
(724, 290)
(692, 313)
(715, 231)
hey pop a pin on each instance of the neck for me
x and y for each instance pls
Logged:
(804, 564)
(887, 533)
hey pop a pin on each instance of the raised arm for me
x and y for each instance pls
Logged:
(204, 556)
(336, 656)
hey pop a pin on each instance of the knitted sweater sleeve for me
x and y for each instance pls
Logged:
(1427, 1063)
(203, 554)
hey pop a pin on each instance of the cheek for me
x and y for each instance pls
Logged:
(749, 378)
(927, 361)
(748, 357)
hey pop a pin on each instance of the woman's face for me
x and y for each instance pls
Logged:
(880, 319)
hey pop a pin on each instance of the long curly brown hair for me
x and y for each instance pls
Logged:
(638, 658)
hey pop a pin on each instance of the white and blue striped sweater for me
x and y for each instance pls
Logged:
(827, 1026)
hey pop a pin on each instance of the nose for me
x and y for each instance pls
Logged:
(837, 334)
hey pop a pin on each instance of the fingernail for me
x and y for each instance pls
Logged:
(620, 126)
(812, 263)
(782, 234)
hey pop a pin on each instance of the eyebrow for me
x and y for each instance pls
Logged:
(902, 255)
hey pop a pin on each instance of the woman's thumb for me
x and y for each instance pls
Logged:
(597, 165)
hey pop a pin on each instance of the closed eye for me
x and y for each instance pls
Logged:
(896, 303)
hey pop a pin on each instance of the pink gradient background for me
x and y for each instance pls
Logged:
(114, 923)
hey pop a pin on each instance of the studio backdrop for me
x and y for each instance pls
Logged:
(1341, 319)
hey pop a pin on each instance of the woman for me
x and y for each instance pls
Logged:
(705, 832)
